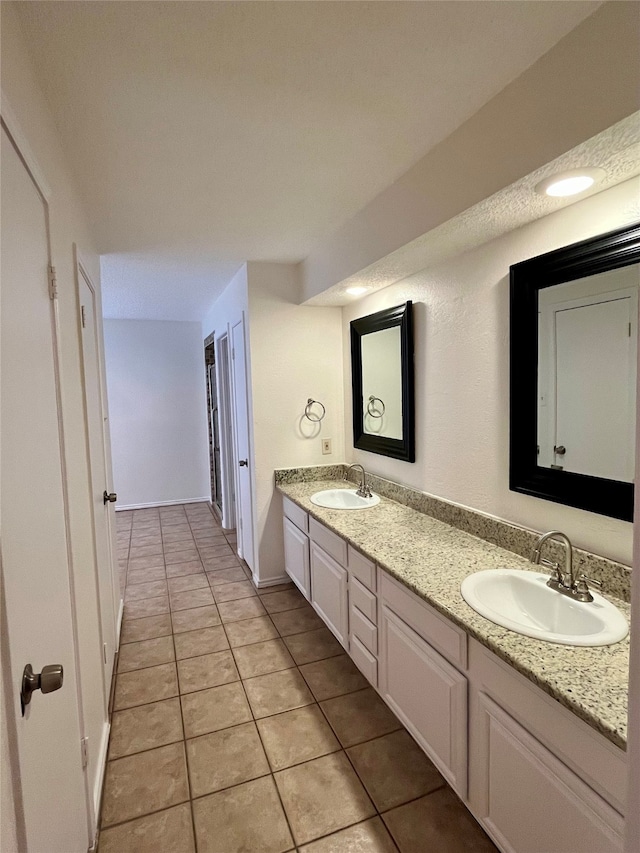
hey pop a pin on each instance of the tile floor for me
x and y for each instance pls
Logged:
(240, 725)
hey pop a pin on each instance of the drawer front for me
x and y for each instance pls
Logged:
(363, 629)
(442, 634)
(364, 660)
(298, 516)
(362, 568)
(364, 600)
(328, 541)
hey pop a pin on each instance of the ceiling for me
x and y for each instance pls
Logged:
(205, 134)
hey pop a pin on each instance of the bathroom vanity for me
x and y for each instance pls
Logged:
(529, 734)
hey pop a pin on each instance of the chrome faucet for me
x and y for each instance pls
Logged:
(563, 581)
(364, 490)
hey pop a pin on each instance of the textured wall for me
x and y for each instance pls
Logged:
(462, 374)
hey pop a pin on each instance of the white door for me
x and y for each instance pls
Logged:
(35, 560)
(595, 388)
(227, 461)
(106, 579)
(244, 513)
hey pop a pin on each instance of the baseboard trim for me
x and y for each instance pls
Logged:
(271, 581)
(206, 499)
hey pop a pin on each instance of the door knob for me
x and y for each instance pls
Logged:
(109, 497)
(560, 449)
(48, 680)
(243, 463)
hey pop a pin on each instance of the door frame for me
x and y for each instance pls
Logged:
(225, 422)
(14, 131)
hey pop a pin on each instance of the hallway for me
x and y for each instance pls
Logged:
(239, 721)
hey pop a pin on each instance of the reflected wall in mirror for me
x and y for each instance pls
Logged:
(382, 383)
(574, 342)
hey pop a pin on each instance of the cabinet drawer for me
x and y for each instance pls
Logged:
(364, 660)
(442, 634)
(328, 541)
(298, 516)
(362, 568)
(363, 629)
(364, 600)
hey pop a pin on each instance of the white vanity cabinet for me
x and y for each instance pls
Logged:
(329, 595)
(363, 614)
(296, 547)
(420, 685)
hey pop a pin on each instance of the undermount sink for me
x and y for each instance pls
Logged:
(521, 601)
(343, 499)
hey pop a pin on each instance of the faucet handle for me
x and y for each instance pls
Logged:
(549, 564)
(584, 579)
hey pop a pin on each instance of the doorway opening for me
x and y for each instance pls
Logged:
(214, 427)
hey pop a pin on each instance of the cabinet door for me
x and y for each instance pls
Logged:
(296, 557)
(329, 593)
(427, 694)
(533, 801)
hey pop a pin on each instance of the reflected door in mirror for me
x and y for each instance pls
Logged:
(381, 385)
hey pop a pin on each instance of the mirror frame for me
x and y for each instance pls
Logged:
(404, 448)
(609, 251)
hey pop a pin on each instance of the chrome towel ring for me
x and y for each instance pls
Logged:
(312, 416)
(373, 410)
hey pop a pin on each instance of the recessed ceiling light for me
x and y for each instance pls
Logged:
(570, 183)
(356, 291)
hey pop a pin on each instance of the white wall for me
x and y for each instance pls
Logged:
(68, 224)
(158, 410)
(462, 375)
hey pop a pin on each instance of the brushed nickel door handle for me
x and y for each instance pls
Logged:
(109, 497)
(48, 680)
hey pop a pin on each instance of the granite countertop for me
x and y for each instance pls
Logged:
(432, 558)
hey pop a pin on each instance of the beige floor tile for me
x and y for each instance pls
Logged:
(206, 671)
(143, 783)
(145, 727)
(368, 837)
(136, 576)
(359, 716)
(277, 692)
(146, 550)
(394, 770)
(313, 645)
(146, 607)
(182, 584)
(225, 758)
(150, 589)
(234, 591)
(206, 537)
(146, 685)
(288, 599)
(198, 617)
(243, 608)
(296, 621)
(209, 552)
(186, 555)
(244, 819)
(145, 653)
(176, 570)
(177, 536)
(333, 677)
(146, 628)
(191, 598)
(214, 709)
(202, 642)
(261, 658)
(214, 564)
(322, 796)
(438, 821)
(225, 576)
(146, 562)
(169, 831)
(281, 587)
(250, 631)
(296, 736)
(176, 547)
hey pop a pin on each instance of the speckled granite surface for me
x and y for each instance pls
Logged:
(432, 558)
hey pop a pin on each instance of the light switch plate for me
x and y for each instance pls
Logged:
(326, 446)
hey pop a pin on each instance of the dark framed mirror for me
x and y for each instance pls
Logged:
(383, 383)
(573, 348)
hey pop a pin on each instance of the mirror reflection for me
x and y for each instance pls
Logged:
(587, 350)
(382, 383)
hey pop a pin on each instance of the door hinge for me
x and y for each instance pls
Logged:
(84, 746)
(83, 317)
(233, 353)
(53, 283)
(104, 653)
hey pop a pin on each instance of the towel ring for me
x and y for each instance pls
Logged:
(313, 416)
(372, 410)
